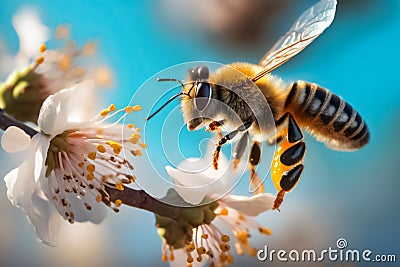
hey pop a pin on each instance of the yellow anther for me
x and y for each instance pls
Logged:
(99, 197)
(224, 212)
(171, 257)
(225, 238)
(265, 231)
(39, 60)
(204, 236)
(138, 130)
(104, 112)
(241, 217)
(137, 152)
(119, 186)
(199, 258)
(91, 168)
(103, 76)
(164, 257)
(224, 247)
(223, 257)
(65, 63)
(190, 247)
(190, 259)
(89, 49)
(130, 109)
(143, 145)
(79, 71)
(189, 264)
(134, 138)
(114, 144)
(92, 155)
(101, 148)
(112, 107)
(131, 125)
(201, 250)
(81, 164)
(42, 48)
(118, 203)
(117, 150)
(230, 259)
(90, 176)
(62, 32)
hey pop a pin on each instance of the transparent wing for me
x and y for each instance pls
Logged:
(307, 27)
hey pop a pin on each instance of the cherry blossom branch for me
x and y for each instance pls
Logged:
(135, 198)
(6, 121)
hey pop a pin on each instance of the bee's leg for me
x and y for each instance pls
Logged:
(287, 163)
(226, 138)
(215, 126)
(254, 158)
(239, 150)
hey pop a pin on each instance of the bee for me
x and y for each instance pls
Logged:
(301, 105)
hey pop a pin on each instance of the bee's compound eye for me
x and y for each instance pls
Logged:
(202, 95)
(203, 72)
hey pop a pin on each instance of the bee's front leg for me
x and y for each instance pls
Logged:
(216, 126)
(226, 138)
(287, 162)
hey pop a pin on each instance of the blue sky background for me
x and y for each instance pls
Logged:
(349, 195)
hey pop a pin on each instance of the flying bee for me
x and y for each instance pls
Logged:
(305, 105)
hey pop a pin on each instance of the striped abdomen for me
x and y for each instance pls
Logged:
(327, 116)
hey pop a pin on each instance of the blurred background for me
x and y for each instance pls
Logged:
(341, 195)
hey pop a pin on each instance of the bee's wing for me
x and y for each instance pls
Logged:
(307, 27)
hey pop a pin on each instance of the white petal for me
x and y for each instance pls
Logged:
(44, 219)
(31, 34)
(21, 181)
(14, 139)
(53, 115)
(250, 206)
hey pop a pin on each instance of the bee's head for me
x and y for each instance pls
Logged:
(196, 96)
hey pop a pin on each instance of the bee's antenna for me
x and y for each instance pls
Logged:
(171, 80)
(166, 103)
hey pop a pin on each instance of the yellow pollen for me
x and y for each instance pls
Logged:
(190, 247)
(265, 231)
(171, 257)
(65, 63)
(99, 198)
(224, 212)
(101, 148)
(91, 168)
(138, 130)
(119, 186)
(199, 258)
(189, 259)
(39, 60)
(130, 109)
(131, 125)
(204, 236)
(225, 238)
(137, 152)
(90, 176)
(42, 48)
(117, 150)
(143, 145)
(89, 49)
(62, 32)
(118, 203)
(104, 112)
(114, 144)
(80, 164)
(223, 257)
(164, 257)
(201, 250)
(224, 247)
(112, 107)
(92, 155)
